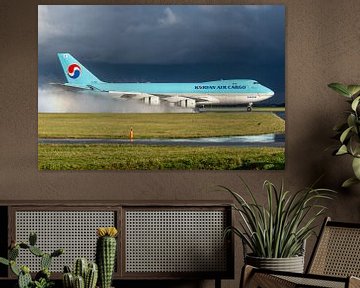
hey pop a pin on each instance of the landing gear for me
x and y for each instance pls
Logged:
(249, 108)
(200, 109)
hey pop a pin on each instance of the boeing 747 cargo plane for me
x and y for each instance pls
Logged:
(192, 95)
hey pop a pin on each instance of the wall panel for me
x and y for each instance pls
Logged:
(322, 40)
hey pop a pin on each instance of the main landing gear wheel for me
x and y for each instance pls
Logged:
(249, 108)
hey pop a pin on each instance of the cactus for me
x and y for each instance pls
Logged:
(32, 239)
(68, 280)
(24, 279)
(36, 251)
(105, 254)
(14, 268)
(24, 245)
(87, 272)
(45, 261)
(4, 261)
(79, 282)
(80, 268)
(42, 278)
(91, 276)
(13, 253)
(57, 252)
(44, 273)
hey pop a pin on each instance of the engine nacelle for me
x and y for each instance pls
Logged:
(151, 100)
(187, 103)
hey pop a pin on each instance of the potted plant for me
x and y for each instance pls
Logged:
(42, 278)
(349, 132)
(87, 274)
(106, 254)
(276, 233)
(84, 274)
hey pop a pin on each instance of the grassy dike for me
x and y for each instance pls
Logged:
(157, 125)
(143, 157)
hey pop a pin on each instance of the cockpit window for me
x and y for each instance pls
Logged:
(256, 82)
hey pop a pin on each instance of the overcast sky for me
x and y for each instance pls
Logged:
(159, 43)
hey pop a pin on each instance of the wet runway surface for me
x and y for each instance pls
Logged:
(267, 140)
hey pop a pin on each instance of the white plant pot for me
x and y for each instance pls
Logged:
(291, 264)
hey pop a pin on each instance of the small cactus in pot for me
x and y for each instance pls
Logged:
(79, 282)
(85, 275)
(106, 254)
(91, 276)
(42, 278)
(81, 266)
(68, 278)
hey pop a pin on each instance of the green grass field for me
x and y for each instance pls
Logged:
(269, 109)
(160, 125)
(157, 125)
(143, 157)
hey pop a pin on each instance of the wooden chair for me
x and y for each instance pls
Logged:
(334, 263)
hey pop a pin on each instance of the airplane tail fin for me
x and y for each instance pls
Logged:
(75, 72)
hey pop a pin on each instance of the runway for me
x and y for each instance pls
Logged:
(264, 140)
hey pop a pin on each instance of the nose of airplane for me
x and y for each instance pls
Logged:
(269, 92)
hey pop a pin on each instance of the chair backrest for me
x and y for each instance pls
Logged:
(337, 251)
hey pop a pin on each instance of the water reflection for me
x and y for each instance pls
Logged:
(277, 140)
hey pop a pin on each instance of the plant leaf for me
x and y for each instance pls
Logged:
(4, 261)
(353, 89)
(349, 182)
(355, 103)
(345, 134)
(354, 145)
(340, 88)
(14, 268)
(351, 120)
(356, 167)
(342, 150)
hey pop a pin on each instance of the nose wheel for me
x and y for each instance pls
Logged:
(249, 107)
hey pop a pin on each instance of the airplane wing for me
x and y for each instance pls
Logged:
(69, 87)
(145, 97)
(76, 87)
(183, 101)
(207, 99)
(153, 99)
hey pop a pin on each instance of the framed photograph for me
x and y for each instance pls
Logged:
(161, 87)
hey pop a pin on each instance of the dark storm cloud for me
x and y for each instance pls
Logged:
(140, 34)
(166, 43)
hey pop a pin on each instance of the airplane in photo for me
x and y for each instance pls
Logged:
(188, 95)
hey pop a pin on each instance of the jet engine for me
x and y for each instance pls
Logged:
(151, 100)
(187, 103)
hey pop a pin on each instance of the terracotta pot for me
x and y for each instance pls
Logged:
(291, 264)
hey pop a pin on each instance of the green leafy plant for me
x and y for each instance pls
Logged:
(349, 131)
(279, 229)
(42, 278)
(43, 283)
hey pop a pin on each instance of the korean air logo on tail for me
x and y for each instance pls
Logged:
(74, 71)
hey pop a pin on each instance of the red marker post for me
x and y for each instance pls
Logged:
(131, 135)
